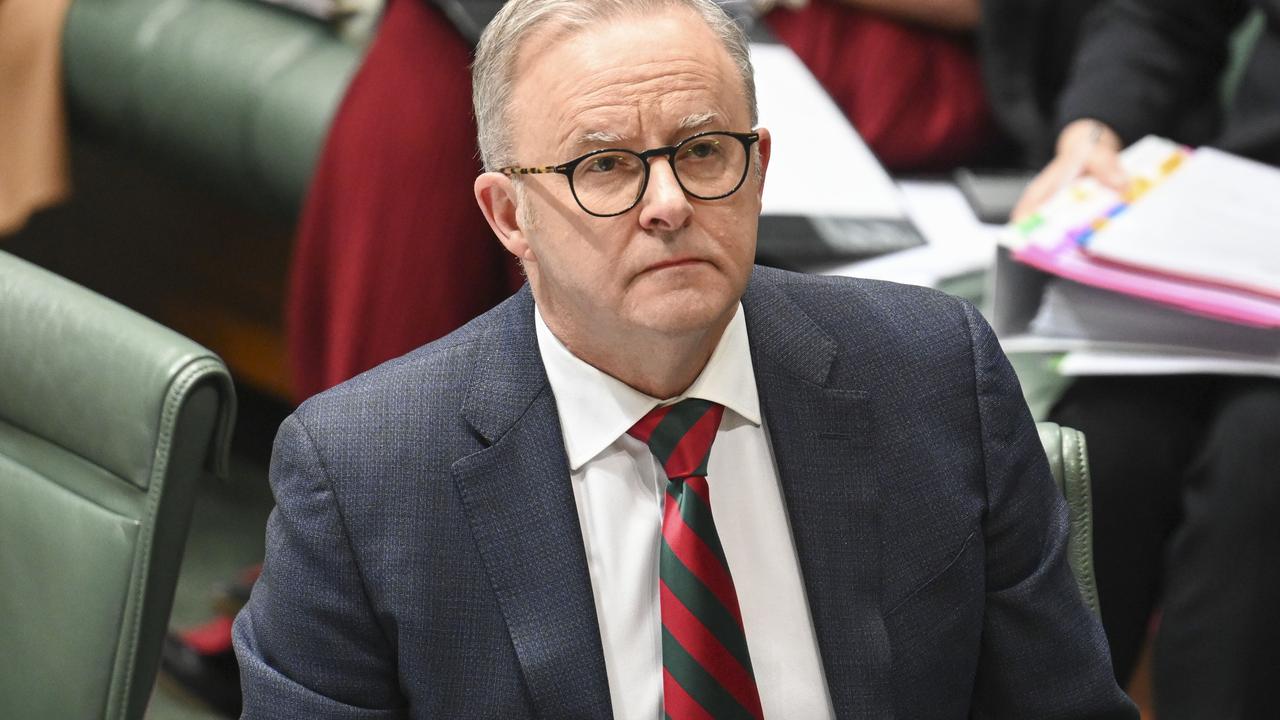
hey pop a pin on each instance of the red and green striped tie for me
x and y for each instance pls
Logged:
(706, 670)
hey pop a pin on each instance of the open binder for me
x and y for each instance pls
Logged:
(1177, 275)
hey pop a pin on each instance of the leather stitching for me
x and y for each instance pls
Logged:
(1080, 501)
(175, 397)
(1084, 501)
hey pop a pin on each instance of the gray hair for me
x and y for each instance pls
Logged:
(493, 73)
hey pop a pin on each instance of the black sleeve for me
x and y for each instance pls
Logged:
(1143, 65)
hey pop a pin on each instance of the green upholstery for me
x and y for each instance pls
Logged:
(234, 92)
(1069, 461)
(107, 420)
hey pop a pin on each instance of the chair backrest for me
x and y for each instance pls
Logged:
(107, 420)
(1069, 461)
(251, 122)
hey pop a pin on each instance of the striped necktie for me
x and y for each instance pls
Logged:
(706, 670)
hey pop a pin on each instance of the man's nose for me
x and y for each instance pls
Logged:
(664, 206)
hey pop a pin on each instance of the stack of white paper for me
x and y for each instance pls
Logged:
(1179, 275)
(1217, 220)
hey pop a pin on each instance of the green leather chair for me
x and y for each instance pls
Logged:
(1069, 461)
(107, 421)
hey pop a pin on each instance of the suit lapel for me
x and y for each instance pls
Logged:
(518, 500)
(520, 506)
(822, 437)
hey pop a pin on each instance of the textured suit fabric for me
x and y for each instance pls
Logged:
(425, 558)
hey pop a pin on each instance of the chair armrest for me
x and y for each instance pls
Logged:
(1069, 461)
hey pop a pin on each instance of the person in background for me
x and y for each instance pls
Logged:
(1185, 469)
(34, 166)
(905, 73)
(391, 252)
(1026, 48)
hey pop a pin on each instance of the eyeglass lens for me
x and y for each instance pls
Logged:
(707, 167)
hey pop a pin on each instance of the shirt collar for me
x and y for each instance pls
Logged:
(596, 408)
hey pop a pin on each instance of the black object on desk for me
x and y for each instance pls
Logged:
(992, 193)
(796, 242)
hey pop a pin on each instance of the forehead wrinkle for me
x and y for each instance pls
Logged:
(653, 78)
(629, 88)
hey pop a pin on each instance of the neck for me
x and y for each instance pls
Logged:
(658, 364)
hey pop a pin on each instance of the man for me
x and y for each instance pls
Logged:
(1184, 467)
(479, 529)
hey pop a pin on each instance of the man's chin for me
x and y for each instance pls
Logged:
(686, 311)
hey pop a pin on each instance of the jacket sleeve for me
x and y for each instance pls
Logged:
(1043, 652)
(308, 643)
(1143, 65)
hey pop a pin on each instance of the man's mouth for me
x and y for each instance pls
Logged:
(674, 262)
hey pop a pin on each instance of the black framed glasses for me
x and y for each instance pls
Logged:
(708, 166)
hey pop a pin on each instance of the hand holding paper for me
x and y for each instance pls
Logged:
(1085, 147)
(1194, 231)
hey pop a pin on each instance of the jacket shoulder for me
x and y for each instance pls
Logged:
(882, 329)
(418, 394)
(848, 303)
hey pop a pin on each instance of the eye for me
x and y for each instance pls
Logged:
(701, 149)
(607, 163)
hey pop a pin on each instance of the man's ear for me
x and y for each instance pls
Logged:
(765, 143)
(496, 195)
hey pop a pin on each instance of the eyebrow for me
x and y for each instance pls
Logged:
(604, 137)
(697, 120)
(597, 137)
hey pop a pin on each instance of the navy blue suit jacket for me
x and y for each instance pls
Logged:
(425, 558)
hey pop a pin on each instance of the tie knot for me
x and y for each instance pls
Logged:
(680, 436)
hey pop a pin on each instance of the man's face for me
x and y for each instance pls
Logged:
(673, 264)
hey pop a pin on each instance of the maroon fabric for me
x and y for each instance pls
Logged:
(392, 251)
(211, 638)
(914, 94)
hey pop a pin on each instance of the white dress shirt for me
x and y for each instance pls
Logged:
(619, 489)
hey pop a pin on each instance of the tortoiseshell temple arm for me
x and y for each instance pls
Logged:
(517, 170)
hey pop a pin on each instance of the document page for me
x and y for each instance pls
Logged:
(819, 167)
(1216, 219)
